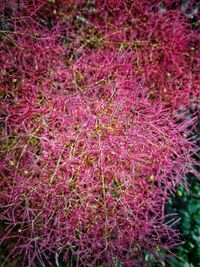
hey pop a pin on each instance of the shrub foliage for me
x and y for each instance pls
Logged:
(95, 128)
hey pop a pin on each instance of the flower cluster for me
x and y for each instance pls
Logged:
(94, 128)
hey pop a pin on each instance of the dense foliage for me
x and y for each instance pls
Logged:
(186, 205)
(96, 128)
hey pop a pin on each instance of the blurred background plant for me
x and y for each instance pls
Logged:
(188, 209)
